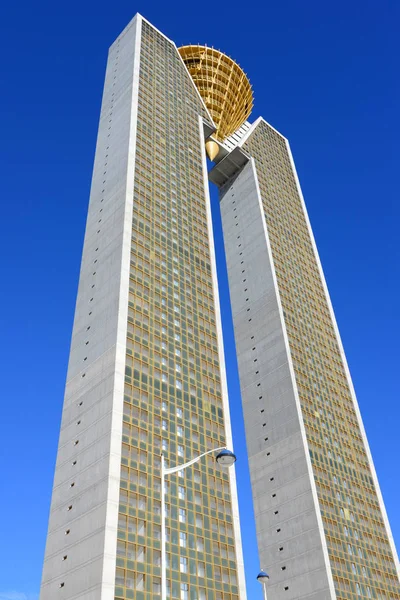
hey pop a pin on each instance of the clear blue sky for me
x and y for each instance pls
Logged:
(326, 75)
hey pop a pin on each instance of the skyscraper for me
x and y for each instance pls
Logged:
(146, 373)
(322, 527)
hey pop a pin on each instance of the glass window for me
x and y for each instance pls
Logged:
(183, 566)
(121, 548)
(140, 556)
(182, 515)
(157, 586)
(140, 582)
(120, 577)
(141, 528)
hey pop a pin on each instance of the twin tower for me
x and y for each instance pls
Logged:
(146, 372)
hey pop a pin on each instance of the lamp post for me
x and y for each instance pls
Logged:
(263, 578)
(225, 458)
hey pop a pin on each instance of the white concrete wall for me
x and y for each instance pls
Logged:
(289, 530)
(92, 413)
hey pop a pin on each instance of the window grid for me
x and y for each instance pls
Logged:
(172, 400)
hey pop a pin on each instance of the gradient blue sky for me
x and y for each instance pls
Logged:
(326, 76)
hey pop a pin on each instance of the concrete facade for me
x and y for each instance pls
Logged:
(288, 528)
(81, 544)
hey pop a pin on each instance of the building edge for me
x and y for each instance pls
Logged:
(110, 542)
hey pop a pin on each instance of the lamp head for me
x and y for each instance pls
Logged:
(226, 458)
(263, 577)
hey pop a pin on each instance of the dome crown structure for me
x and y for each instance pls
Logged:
(223, 85)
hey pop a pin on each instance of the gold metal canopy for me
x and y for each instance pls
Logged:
(222, 84)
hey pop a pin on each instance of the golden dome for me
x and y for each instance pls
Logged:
(222, 84)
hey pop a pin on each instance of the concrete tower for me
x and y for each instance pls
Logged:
(322, 527)
(146, 372)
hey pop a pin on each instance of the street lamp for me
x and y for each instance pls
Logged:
(263, 578)
(225, 458)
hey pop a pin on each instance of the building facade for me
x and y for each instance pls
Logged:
(322, 528)
(146, 372)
